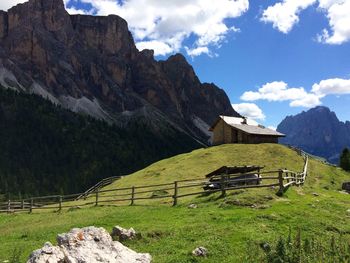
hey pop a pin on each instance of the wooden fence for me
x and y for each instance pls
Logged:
(99, 185)
(171, 192)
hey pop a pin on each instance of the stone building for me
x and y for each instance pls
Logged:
(241, 130)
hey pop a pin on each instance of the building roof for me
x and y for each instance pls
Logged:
(258, 130)
(238, 120)
(248, 126)
(234, 170)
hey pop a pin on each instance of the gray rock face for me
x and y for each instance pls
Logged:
(89, 58)
(317, 131)
(88, 244)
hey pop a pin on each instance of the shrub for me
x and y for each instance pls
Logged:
(345, 159)
(296, 250)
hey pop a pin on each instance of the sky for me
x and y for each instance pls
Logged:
(272, 58)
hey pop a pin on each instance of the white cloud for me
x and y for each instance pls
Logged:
(159, 47)
(279, 91)
(309, 101)
(197, 51)
(166, 24)
(334, 86)
(6, 4)
(338, 14)
(249, 110)
(285, 15)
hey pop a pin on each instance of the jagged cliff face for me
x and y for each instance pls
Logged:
(90, 64)
(317, 131)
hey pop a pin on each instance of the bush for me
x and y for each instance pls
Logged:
(345, 159)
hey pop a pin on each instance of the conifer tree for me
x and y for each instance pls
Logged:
(345, 159)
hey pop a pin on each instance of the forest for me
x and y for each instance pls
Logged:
(45, 149)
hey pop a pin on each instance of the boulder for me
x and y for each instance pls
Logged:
(123, 234)
(88, 244)
(200, 252)
(47, 254)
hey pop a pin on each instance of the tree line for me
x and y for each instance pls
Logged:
(45, 149)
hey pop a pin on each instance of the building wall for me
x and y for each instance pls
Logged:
(262, 139)
(223, 133)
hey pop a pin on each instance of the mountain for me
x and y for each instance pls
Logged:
(46, 149)
(317, 131)
(90, 64)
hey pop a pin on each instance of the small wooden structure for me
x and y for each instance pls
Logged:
(241, 130)
(346, 186)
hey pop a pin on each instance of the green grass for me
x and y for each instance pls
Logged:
(223, 225)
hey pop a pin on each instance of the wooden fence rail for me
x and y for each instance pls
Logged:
(172, 192)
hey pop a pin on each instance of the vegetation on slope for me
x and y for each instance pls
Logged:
(345, 159)
(229, 227)
(46, 149)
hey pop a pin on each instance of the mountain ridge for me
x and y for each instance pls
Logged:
(90, 64)
(317, 131)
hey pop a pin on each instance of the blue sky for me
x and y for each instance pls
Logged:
(272, 57)
(276, 44)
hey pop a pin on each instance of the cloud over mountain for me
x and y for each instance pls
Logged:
(165, 25)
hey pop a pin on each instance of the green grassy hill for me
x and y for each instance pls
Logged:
(226, 226)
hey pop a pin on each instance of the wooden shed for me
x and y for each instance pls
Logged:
(241, 130)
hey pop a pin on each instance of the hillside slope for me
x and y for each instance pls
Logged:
(46, 149)
(228, 227)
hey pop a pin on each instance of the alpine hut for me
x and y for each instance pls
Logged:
(241, 130)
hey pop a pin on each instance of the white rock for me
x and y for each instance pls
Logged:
(200, 252)
(192, 206)
(123, 234)
(47, 254)
(88, 244)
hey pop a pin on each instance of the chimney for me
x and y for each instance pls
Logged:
(244, 120)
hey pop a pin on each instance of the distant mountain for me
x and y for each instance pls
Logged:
(46, 149)
(90, 64)
(317, 131)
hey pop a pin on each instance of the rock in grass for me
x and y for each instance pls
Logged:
(88, 244)
(193, 206)
(200, 252)
(47, 253)
(123, 234)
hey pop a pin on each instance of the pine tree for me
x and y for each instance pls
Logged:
(345, 159)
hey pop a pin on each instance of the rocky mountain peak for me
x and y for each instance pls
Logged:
(36, 13)
(90, 64)
(317, 131)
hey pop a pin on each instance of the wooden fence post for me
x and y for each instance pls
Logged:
(96, 202)
(132, 195)
(31, 205)
(8, 206)
(280, 182)
(60, 203)
(223, 184)
(175, 193)
(22, 204)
